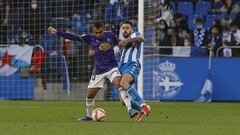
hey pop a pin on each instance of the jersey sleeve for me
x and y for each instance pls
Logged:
(86, 37)
(136, 34)
(69, 36)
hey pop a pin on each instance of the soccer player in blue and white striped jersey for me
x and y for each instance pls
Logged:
(130, 65)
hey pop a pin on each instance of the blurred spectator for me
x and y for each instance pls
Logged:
(172, 23)
(216, 5)
(24, 38)
(162, 38)
(115, 12)
(217, 23)
(188, 42)
(229, 10)
(15, 18)
(164, 11)
(213, 40)
(4, 10)
(79, 23)
(182, 28)
(228, 40)
(199, 33)
(236, 32)
(34, 19)
(173, 37)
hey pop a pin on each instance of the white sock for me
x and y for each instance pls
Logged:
(126, 98)
(89, 106)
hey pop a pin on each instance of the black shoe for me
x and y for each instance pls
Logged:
(85, 118)
(132, 113)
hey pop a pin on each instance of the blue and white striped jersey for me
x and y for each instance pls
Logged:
(131, 54)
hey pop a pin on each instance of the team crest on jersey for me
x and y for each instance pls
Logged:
(104, 46)
(166, 82)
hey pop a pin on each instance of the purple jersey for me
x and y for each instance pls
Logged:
(104, 53)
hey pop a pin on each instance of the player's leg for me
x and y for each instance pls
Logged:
(130, 74)
(127, 83)
(92, 92)
(96, 83)
(138, 102)
(115, 77)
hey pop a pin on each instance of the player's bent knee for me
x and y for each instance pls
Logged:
(124, 84)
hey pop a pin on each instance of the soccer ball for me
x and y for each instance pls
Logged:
(99, 114)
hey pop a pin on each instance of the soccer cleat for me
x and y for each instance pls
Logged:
(132, 113)
(85, 118)
(140, 117)
(146, 109)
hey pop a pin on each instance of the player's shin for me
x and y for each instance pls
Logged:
(89, 106)
(133, 92)
(135, 105)
(125, 97)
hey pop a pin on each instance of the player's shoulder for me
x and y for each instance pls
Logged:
(136, 34)
(109, 33)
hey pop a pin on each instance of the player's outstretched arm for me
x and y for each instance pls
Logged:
(131, 41)
(123, 43)
(136, 40)
(65, 35)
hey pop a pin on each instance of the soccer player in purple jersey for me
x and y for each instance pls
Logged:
(102, 43)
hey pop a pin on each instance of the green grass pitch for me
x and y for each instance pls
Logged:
(167, 118)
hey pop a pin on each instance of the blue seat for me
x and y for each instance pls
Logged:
(210, 19)
(185, 8)
(191, 20)
(202, 8)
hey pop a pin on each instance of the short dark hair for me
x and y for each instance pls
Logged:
(127, 22)
(199, 20)
(98, 25)
(178, 16)
(234, 23)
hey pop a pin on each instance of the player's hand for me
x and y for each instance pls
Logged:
(123, 43)
(52, 30)
(137, 39)
(91, 52)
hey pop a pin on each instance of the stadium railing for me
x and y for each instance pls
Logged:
(226, 47)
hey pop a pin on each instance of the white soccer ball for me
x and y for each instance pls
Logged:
(99, 114)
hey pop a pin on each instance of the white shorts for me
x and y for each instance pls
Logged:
(97, 81)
